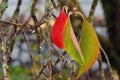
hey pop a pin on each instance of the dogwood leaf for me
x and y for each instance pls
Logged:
(64, 37)
(89, 46)
(58, 28)
(71, 44)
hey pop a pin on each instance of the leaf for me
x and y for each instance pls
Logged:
(89, 46)
(57, 30)
(71, 44)
(64, 37)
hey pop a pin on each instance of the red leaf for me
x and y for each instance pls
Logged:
(58, 29)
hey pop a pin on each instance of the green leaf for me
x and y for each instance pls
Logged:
(71, 44)
(89, 46)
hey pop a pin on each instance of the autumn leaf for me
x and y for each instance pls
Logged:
(58, 28)
(86, 51)
(71, 44)
(89, 46)
(64, 37)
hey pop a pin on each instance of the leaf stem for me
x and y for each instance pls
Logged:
(108, 62)
(77, 12)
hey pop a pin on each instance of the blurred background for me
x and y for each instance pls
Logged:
(106, 24)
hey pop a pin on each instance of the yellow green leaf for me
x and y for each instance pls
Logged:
(71, 44)
(89, 46)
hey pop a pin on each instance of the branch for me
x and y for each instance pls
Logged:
(40, 72)
(102, 76)
(50, 66)
(53, 2)
(17, 32)
(92, 11)
(108, 62)
(12, 23)
(30, 51)
(60, 55)
(5, 62)
(90, 19)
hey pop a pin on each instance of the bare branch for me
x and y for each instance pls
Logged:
(102, 77)
(36, 78)
(30, 51)
(92, 11)
(53, 2)
(5, 62)
(12, 23)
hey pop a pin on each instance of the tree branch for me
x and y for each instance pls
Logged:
(12, 23)
(102, 77)
(5, 61)
(92, 11)
(30, 51)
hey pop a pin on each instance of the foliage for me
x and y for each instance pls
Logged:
(47, 60)
(85, 54)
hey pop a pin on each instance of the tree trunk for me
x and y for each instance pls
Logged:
(112, 14)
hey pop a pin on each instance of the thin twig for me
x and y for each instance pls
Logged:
(50, 66)
(54, 16)
(48, 39)
(11, 32)
(30, 51)
(58, 52)
(53, 2)
(102, 77)
(12, 23)
(17, 32)
(59, 58)
(38, 45)
(38, 36)
(40, 72)
(92, 11)
(108, 62)
(72, 72)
